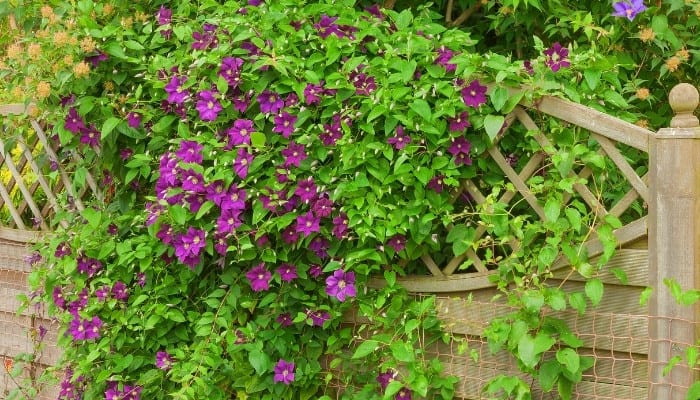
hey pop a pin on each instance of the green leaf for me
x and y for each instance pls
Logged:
(260, 361)
(109, 126)
(493, 125)
(499, 96)
(258, 139)
(530, 349)
(402, 351)
(592, 77)
(552, 208)
(390, 278)
(365, 348)
(93, 217)
(569, 358)
(549, 374)
(458, 232)
(693, 391)
(644, 296)
(179, 214)
(578, 302)
(533, 300)
(422, 108)
(566, 389)
(594, 290)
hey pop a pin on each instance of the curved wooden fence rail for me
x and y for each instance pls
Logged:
(660, 239)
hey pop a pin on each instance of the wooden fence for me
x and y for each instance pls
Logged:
(631, 343)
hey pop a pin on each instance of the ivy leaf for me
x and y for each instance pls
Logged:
(422, 108)
(570, 359)
(257, 139)
(552, 208)
(499, 96)
(402, 351)
(109, 126)
(260, 361)
(365, 348)
(549, 374)
(693, 391)
(493, 125)
(594, 290)
(530, 349)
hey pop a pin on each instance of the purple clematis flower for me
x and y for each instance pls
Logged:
(259, 278)
(628, 8)
(556, 57)
(341, 285)
(284, 372)
(208, 105)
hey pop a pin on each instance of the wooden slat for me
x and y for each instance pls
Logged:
(64, 177)
(627, 234)
(593, 120)
(634, 262)
(19, 235)
(28, 198)
(7, 199)
(433, 284)
(52, 202)
(629, 173)
(516, 181)
(16, 109)
(547, 146)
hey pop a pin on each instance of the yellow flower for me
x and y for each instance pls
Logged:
(683, 54)
(642, 123)
(107, 9)
(14, 51)
(68, 60)
(43, 90)
(47, 11)
(18, 93)
(88, 45)
(646, 35)
(127, 22)
(642, 93)
(34, 51)
(673, 63)
(60, 38)
(81, 69)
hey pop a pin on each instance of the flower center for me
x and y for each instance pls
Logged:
(341, 284)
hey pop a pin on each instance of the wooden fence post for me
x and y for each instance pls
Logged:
(674, 242)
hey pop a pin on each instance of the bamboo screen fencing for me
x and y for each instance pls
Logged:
(631, 343)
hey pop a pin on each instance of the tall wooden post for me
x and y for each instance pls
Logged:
(674, 242)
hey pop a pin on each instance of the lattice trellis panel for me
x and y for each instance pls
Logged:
(603, 133)
(35, 182)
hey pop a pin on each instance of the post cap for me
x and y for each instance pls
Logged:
(684, 99)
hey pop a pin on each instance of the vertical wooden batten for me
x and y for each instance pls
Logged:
(674, 242)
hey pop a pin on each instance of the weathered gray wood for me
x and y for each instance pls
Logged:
(593, 120)
(19, 235)
(674, 242)
(16, 109)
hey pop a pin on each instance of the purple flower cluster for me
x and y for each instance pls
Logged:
(127, 392)
(400, 139)
(85, 329)
(259, 278)
(89, 266)
(71, 387)
(74, 123)
(460, 150)
(444, 57)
